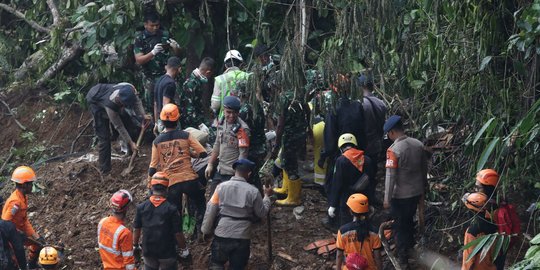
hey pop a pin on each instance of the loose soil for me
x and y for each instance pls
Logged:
(74, 196)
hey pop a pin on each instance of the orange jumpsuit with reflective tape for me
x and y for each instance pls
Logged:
(15, 210)
(115, 245)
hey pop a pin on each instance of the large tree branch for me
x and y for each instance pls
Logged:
(68, 54)
(54, 11)
(19, 15)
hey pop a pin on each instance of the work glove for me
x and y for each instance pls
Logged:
(157, 49)
(332, 212)
(183, 252)
(208, 171)
(173, 43)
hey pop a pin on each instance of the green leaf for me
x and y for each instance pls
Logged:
(486, 153)
(498, 246)
(417, 84)
(536, 239)
(198, 44)
(485, 62)
(480, 245)
(487, 246)
(532, 251)
(483, 129)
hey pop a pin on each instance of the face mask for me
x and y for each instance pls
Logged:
(146, 33)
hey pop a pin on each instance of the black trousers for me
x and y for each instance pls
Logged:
(373, 181)
(234, 251)
(403, 211)
(195, 208)
(218, 179)
(103, 133)
(195, 191)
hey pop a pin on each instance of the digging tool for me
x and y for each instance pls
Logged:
(269, 183)
(128, 170)
(384, 242)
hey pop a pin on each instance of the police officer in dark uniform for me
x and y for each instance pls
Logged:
(151, 48)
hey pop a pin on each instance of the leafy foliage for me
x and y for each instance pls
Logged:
(532, 257)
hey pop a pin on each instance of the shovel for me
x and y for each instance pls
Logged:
(128, 170)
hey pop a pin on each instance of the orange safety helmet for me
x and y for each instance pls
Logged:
(475, 201)
(23, 174)
(358, 203)
(120, 200)
(488, 177)
(169, 112)
(160, 178)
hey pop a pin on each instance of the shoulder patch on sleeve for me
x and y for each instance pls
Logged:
(243, 138)
(391, 159)
(14, 209)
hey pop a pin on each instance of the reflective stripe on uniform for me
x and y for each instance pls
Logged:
(127, 254)
(114, 249)
(116, 234)
(130, 267)
(109, 249)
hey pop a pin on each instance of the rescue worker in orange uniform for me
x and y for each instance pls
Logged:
(356, 236)
(16, 207)
(172, 151)
(114, 238)
(481, 224)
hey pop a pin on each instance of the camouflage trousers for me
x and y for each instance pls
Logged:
(292, 149)
(147, 95)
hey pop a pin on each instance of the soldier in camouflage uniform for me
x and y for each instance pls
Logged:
(291, 138)
(151, 48)
(191, 105)
(253, 115)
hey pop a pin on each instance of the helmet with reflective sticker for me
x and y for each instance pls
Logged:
(169, 112)
(358, 203)
(488, 177)
(48, 256)
(475, 201)
(120, 200)
(160, 178)
(23, 174)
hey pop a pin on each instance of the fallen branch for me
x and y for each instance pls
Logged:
(11, 113)
(67, 55)
(286, 257)
(79, 135)
(21, 16)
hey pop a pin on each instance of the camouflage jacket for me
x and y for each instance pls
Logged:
(191, 105)
(294, 112)
(144, 43)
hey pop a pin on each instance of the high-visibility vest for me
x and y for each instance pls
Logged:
(227, 82)
(115, 245)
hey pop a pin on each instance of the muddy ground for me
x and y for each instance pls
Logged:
(74, 195)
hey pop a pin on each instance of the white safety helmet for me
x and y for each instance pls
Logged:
(234, 54)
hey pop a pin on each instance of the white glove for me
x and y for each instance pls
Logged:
(208, 171)
(184, 253)
(157, 49)
(173, 43)
(332, 212)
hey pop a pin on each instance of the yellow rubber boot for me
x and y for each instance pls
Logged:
(284, 185)
(294, 197)
(318, 137)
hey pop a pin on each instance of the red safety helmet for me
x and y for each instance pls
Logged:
(120, 200)
(488, 177)
(160, 178)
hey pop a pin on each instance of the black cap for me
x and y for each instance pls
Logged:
(126, 94)
(260, 49)
(231, 102)
(174, 62)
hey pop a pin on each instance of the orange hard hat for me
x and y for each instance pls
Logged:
(169, 112)
(23, 174)
(160, 178)
(475, 201)
(488, 177)
(120, 200)
(358, 203)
